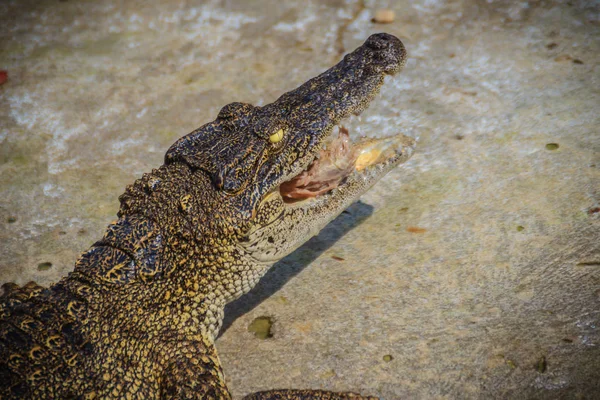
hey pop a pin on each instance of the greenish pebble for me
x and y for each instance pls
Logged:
(261, 327)
(388, 358)
(541, 365)
(520, 228)
(552, 146)
(45, 266)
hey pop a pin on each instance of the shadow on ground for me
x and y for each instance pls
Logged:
(284, 270)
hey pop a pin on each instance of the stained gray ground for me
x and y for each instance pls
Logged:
(476, 267)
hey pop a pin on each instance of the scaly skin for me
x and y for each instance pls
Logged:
(138, 316)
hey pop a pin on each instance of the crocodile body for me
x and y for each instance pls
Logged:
(138, 316)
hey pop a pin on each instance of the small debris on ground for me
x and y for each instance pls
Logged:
(261, 327)
(3, 77)
(541, 365)
(45, 266)
(384, 16)
(563, 57)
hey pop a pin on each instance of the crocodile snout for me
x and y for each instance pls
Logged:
(387, 52)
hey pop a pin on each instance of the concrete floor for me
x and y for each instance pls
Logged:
(471, 272)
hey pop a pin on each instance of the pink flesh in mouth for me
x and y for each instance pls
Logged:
(338, 159)
(325, 172)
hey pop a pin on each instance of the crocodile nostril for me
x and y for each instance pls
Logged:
(380, 41)
(387, 53)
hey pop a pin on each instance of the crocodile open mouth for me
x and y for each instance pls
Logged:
(340, 158)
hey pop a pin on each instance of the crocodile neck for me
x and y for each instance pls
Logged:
(160, 261)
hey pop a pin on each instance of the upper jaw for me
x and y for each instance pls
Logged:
(344, 90)
(309, 113)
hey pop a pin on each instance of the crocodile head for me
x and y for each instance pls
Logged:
(284, 170)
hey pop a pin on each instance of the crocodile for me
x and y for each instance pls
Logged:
(138, 315)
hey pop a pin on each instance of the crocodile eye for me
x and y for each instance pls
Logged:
(276, 137)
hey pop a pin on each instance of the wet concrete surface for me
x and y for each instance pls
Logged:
(471, 272)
